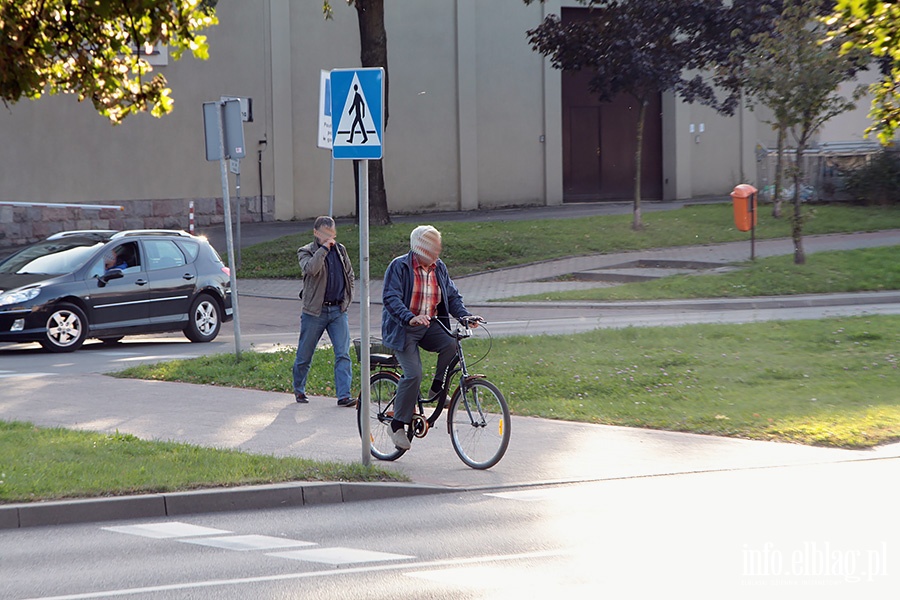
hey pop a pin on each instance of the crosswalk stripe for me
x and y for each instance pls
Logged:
(160, 531)
(339, 556)
(247, 542)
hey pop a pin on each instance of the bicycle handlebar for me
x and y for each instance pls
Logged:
(465, 321)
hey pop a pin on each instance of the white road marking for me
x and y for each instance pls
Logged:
(308, 575)
(536, 495)
(173, 529)
(158, 357)
(248, 542)
(10, 375)
(339, 556)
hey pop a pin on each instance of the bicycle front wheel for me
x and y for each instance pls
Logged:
(479, 424)
(382, 389)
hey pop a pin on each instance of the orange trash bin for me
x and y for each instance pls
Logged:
(744, 202)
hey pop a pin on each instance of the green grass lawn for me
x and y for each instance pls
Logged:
(52, 463)
(471, 247)
(829, 382)
(869, 269)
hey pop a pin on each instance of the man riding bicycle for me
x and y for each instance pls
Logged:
(418, 291)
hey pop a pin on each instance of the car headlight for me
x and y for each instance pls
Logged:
(19, 296)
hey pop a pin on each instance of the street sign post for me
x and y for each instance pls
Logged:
(357, 117)
(224, 130)
(325, 134)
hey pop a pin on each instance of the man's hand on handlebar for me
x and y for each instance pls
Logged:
(472, 321)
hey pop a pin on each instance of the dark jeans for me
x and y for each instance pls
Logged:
(434, 339)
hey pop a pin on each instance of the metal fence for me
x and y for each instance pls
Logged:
(824, 169)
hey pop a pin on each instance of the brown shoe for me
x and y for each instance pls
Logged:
(300, 397)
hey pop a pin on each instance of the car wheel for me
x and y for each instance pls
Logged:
(203, 320)
(66, 329)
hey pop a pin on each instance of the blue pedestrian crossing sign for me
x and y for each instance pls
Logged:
(357, 113)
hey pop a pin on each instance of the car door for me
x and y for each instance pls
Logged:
(118, 302)
(172, 281)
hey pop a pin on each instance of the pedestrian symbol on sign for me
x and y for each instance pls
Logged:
(356, 127)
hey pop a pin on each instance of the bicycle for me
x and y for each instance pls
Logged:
(478, 419)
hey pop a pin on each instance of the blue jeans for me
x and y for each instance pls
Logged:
(335, 322)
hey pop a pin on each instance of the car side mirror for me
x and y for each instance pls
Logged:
(102, 280)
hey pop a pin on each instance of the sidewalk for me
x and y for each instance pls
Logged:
(541, 452)
(536, 278)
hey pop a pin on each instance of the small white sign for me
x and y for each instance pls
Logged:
(325, 136)
(246, 107)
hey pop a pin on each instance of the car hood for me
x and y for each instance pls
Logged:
(12, 281)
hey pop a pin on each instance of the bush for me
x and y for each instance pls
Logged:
(878, 182)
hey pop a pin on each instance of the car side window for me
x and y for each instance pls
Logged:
(191, 249)
(163, 254)
(130, 255)
(125, 256)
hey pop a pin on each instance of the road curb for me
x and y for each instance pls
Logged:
(260, 497)
(760, 302)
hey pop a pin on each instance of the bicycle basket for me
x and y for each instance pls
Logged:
(375, 347)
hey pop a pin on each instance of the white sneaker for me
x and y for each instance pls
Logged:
(400, 440)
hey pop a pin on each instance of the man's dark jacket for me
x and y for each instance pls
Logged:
(397, 295)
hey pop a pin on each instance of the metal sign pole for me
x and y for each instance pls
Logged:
(331, 190)
(752, 208)
(237, 210)
(223, 168)
(364, 348)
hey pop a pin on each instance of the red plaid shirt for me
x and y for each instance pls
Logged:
(425, 293)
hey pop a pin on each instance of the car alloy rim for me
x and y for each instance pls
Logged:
(64, 328)
(206, 318)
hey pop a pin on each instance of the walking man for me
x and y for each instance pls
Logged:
(327, 292)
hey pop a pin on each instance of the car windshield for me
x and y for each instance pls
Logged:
(51, 257)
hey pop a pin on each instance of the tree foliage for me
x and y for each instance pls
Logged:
(875, 27)
(796, 72)
(91, 49)
(646, 47)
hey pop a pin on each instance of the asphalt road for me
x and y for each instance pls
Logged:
(268, 323)
(785, 532)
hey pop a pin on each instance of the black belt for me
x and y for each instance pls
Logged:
(332, 303)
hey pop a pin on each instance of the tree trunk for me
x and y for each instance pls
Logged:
(373, 53)
(779, 175)
(797, 219)
(637, 224)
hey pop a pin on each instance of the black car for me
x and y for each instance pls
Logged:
(107, 284)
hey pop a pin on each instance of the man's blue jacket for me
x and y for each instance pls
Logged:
(397, 295)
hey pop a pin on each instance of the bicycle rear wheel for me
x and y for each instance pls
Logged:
(479, 424)
(382, 388)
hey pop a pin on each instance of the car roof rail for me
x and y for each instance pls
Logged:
(83, 232)
(135, 232)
